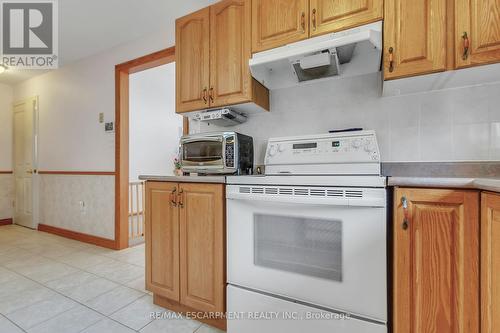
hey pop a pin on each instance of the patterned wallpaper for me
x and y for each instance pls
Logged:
(61, 198)
(6, 196)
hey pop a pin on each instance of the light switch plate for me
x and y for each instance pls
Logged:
(101, 117)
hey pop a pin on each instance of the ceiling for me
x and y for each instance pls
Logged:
(88, 27)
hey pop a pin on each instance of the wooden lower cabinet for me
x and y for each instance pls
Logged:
(490, 263)
(185, 247)
(202, 246)
(162, 240)
(436, 261)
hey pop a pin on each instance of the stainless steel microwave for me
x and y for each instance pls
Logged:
(217, 153)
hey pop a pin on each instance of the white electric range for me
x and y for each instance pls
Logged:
(306, 243)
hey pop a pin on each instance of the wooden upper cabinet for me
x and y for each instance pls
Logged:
(278, 22)
(334, 15)
(480, 21)
(414, 37)
(192, 61)
(202, 246)
(490, 263)
(436, 261)
(230, 50)
(162, 240)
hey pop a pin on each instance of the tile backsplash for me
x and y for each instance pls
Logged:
(449, 125)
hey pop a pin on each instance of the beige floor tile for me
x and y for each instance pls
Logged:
(7, 275)
(138, 284)
(8, 327)
(89, 290)
(113, 300)
(137, 314)
(71, 321)
(105, 268)
(208, 329)
(172, 325)
(34, 314)
(125, 273)
(47, 271)
(71, 281)
(107, 326)
(16, 286)
(25, 298)
(83, 259)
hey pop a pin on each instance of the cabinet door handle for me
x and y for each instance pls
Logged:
(466, 44)
(303, 22)
(172, 197)
(181, 198)
(204, 95)
(406, 219)
(314, 18)
(391, 59)
(211, 94)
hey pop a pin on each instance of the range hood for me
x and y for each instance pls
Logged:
(347, 53)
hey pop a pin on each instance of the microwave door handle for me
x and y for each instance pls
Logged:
(202, 139)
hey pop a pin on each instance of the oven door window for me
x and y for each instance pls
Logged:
(203, 151)
(300, 245)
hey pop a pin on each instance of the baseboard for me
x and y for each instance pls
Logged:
(95, 240)
(5, 222)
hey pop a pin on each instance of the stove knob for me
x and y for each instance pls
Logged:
(281, 148)
(272, 151)
(356, 143)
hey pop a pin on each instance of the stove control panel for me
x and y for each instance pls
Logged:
(313, 151)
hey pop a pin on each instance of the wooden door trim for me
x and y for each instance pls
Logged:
(122, 73)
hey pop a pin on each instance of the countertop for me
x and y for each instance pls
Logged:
(469, 175)
(486, 184)
(186, 179)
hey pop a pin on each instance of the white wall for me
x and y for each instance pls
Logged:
(72, 139)
(6, 124)
(452, 125)
(155, 128)
(71, 98)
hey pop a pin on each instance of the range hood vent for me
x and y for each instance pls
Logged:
(352, 52)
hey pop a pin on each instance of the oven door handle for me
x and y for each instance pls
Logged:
(345, 202)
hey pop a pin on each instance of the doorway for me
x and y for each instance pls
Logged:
(25, 151)
(122, 136)
(154, 133)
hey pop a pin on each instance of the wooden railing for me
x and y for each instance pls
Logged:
(136, 217)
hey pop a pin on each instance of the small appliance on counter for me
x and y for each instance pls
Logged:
(217, 153)
(221, 117)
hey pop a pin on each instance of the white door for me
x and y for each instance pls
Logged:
(25, 153)
(321, 246)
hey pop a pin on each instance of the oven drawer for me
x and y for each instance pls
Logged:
(244, 302)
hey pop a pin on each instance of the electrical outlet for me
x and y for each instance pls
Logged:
(101, 117)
